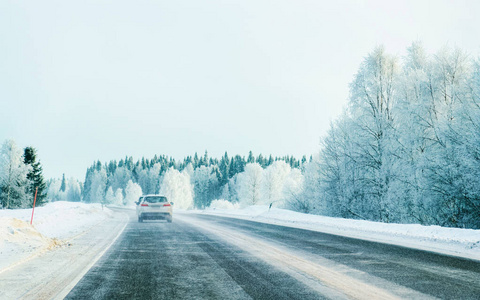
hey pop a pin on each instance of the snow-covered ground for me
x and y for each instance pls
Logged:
(53, 226)
(451, 241)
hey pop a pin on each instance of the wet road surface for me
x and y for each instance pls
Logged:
(182, 260)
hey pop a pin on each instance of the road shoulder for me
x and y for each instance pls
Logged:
(53, 274)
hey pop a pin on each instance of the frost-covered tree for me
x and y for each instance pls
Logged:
(205, 186)
(13, 177)
(120, 178)
(230, 190)
(405, 149)
(74, 192)
(118, 197)
(223, 170)
(109, 196)
(133, 191)
(149, 179)
(98, 186)
(210, 177)
(293, 187)
(449, 167)
(177, 188)
(272, 183)
(189, 170)
(249, 184)
(371, 102)
(309, 196)
(53, 190)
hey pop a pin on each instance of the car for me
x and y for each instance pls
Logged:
(154, 207)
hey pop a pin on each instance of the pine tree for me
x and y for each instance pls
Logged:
(270, 160)
(35, 176)
(196, 161)
(251, 158)
(231, 170)
(304, 160)
(205, 158)
(261, 160)
(63, 187)
(223, 170)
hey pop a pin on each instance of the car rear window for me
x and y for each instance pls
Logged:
(155, 199)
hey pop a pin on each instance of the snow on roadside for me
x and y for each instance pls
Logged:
(52, 225)
(451, 241)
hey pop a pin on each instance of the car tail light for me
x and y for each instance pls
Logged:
(144, 204)
(167, 204)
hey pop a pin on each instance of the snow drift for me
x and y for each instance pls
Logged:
(53, 225)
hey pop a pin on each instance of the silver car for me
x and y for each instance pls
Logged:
(154, 207)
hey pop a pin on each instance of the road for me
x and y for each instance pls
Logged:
(209, 257)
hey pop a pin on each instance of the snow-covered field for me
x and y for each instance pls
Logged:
(452, 241)
(53, 226)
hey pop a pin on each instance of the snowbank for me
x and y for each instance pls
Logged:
(53, 225)
(223, 204)
(452, 241)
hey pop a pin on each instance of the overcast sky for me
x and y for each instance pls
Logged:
(88, 80)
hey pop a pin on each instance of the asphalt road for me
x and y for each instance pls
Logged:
(209, 257)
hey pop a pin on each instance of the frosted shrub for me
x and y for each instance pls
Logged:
(223, 204)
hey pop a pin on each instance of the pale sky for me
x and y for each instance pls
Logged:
(99, 80)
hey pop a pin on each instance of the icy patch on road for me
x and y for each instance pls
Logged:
(452, 241)
(52, 225)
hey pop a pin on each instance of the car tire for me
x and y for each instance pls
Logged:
(170, 219)
(140, 220)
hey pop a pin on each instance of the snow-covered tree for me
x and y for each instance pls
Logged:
(272, 183)
(177, 188)
(109, 196)
(371, 103)
(249, 184)
(189, 170)
(120, 178)
(74, 192)
(13, 177)
(405, 148)
(118, 197)
(230, 190)
(293, 187)
(309, 196)
(98, 185)
(205, 186)
(133, 191)
(53, 190)
(149, 179)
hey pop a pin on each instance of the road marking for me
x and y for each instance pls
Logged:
(63, 293)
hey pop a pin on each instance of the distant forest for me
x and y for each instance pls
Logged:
(207, 178)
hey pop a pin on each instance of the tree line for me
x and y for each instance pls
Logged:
(202, 178)
(407, 147)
